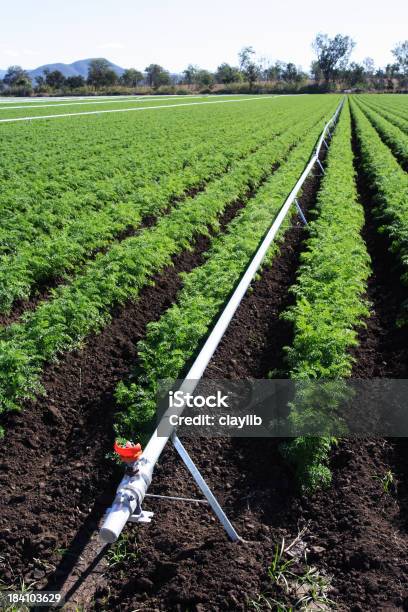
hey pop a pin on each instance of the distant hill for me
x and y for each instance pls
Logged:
(79, 68)
(75, 69)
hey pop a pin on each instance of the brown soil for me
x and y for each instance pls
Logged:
(185, 561)
(41, 294)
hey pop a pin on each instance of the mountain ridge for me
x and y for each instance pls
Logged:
(77, 68)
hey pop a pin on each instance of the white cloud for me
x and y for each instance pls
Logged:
(11, 53)
(15, 53)
(112, 45)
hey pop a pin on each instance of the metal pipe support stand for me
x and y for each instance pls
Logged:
(300, 212)
(141, 516)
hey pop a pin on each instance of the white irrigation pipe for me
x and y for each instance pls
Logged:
(67, 103)
(133, 488)
(38, 99)
(43, 103)
(93, 101)
(126, 110)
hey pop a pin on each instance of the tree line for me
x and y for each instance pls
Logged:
(330, 70)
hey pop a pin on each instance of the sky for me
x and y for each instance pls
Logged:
(175, 33)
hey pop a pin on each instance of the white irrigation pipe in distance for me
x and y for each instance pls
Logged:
(138, 108)
(38, 100)
(93, 101)
(66, 103)
(27, 103)
(132, 489)
(45, 102)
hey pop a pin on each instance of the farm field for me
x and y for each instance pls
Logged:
(29, 110)
(122, 236)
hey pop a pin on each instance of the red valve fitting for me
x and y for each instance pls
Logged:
(129, 453)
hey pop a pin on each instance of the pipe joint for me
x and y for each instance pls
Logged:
(128, 501)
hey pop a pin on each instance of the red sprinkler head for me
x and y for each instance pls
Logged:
(128, 452)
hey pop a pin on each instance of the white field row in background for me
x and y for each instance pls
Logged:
(42, 102)
(137, 108)
(93, 101)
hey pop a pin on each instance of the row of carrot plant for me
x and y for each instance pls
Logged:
(387, 113)
(388, 183)
(397, 103)
(395, 138)
(329, 302)
(394, 104)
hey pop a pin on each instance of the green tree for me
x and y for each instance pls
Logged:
(247, 65)
(17, 77)
(157, 76)
(204, 78)
(54, 79)
(227, 74)
(391, 75)
(131, 77)
(252, 74)
(40, 81)
(401, 55)
(316, 71)
(369, 66)
(290, 73)
(75, 82)
(246, 57)
(190, 74)
(392, 71)
(100, 73)
(379, 79)
(332, 53)
(275, 71)
(355, 75)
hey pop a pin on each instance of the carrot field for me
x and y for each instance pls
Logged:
(125, 226)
